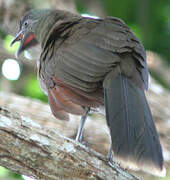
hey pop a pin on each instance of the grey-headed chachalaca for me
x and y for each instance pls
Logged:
(89, 63)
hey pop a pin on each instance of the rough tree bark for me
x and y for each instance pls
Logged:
(30, 149)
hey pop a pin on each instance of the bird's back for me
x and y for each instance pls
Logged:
(82, 51)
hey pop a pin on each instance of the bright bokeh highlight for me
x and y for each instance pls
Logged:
(27, 178)
(28, 55)
(11, 69)
(90, 16)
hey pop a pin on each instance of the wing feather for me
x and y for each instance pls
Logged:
(85, 55)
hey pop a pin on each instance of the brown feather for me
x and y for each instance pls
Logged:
(80, 97)
(64, 102)
(56, 109)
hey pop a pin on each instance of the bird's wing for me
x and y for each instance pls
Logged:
(81, 54)
(88, 50)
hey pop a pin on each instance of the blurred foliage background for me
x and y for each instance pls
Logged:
(149, 20)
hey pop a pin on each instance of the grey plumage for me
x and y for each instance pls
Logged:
(134, 138)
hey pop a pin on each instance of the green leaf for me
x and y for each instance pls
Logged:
(136, 29)
(3, 171)
(32, 89)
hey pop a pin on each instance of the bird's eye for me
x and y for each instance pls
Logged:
(26, 23)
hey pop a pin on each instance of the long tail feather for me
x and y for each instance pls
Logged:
(135, 141)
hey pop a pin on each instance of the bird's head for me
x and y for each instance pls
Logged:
(27, 31)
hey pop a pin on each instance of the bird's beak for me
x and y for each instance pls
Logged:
(19, 37)
(27, 40)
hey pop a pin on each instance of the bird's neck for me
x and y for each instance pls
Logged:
(49, 23)
(43, 27)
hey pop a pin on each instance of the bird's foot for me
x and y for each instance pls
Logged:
(85, 143)
(110, 158)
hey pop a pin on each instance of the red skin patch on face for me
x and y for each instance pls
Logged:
(29, 39)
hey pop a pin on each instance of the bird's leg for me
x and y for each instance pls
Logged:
(81, 126)
(110, 154)
(110, 157)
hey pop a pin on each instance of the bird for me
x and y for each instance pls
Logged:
(92, 63)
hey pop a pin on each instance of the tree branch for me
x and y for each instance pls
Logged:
(30, 149)
(158, 98)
